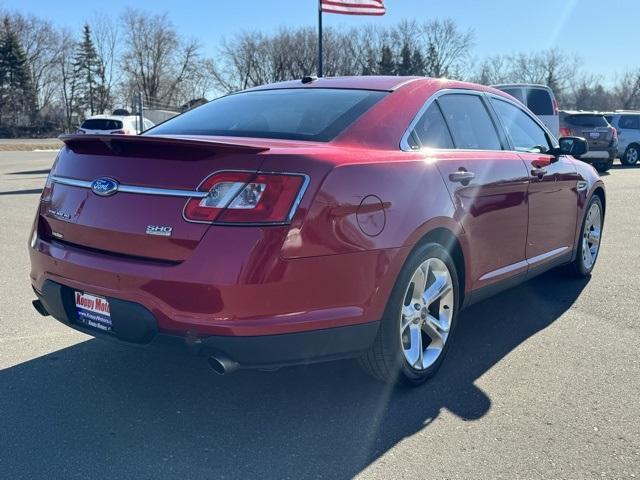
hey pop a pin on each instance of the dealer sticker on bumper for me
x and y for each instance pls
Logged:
(93, 311)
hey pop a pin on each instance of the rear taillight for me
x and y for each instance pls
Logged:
(47, 191)
(556, 110)
(244, 197)
(565, 132)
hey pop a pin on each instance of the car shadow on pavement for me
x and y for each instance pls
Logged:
(44, 171)
(31, 191)
(97, 410)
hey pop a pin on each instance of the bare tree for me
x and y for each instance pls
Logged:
(41, 43)
(105, 37)
(447, 48)
(68, 77)
(627, 90)
(156, 59)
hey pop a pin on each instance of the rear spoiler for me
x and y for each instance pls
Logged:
(146, 145)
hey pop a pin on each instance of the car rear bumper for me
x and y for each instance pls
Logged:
(135, 325)
(219, 292)
(599, 154)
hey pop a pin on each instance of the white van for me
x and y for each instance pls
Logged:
(537, 98)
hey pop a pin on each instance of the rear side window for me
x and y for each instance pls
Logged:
(539, 101)
(525, 134)
(317, 114)
(586, 120)
(629, 122)
(470, 123)
(515, 93)
(431, 131)
(101, 124)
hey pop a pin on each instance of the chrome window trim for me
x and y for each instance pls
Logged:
(404, 141)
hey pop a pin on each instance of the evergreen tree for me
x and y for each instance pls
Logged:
(88, 74)
(371, 65)
(17, 95)
(405, 67)
(418, 66)
(387, 65)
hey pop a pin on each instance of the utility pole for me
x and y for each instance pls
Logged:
(319, 38)
(141, 112)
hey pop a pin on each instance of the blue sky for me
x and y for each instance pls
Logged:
(603, 32)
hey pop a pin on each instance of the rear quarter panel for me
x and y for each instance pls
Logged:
(373, 206)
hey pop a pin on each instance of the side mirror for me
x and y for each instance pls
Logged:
(574, 146)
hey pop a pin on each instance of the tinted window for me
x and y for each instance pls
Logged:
(526, 135)
(297, 114)
(470, 123)
(431, 131)
(629, 121)
(515, 93)
(101, 124)
(539, 101)
(586, 120)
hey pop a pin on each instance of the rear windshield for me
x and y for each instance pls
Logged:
(101, 124)
(587, 120)
(539, 101)
(297, 114)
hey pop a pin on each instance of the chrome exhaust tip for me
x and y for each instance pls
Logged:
(221, 364)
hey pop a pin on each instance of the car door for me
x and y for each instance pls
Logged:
(487, 184)
(552, 194)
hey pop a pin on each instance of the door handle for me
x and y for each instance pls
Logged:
(462, 176)
(538, 172)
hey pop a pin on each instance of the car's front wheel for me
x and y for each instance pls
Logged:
(631, 156)
(419, 320)
(589, 241)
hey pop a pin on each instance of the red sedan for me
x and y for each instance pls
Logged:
(312, 220)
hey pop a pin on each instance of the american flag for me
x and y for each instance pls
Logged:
(353, 7)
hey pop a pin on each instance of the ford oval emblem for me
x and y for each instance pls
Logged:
(104, 186)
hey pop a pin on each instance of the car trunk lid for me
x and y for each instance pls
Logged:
(154, 175)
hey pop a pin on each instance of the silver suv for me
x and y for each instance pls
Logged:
(627, 124)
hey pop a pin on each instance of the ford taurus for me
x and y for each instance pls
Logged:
(312, 220)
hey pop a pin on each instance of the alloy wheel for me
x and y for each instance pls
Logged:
(591, 236)
(427, 313)
(632, 156)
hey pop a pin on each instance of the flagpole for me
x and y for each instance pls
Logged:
(319, 38)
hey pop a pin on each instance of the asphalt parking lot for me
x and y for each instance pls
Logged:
(543, 381)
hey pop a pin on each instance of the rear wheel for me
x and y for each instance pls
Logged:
(604, 166)
(631, 155)
(418, 323)
(589, 241)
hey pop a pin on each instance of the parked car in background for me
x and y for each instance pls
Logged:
(601, 136)
(301, 222)
(537, 98)
(627, 125)
(114, 125)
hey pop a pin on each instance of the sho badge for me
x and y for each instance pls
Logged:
(162, 231)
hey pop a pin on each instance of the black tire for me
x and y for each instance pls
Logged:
(577, 268)
(385, 360)
(604, 166)
(631, 156)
